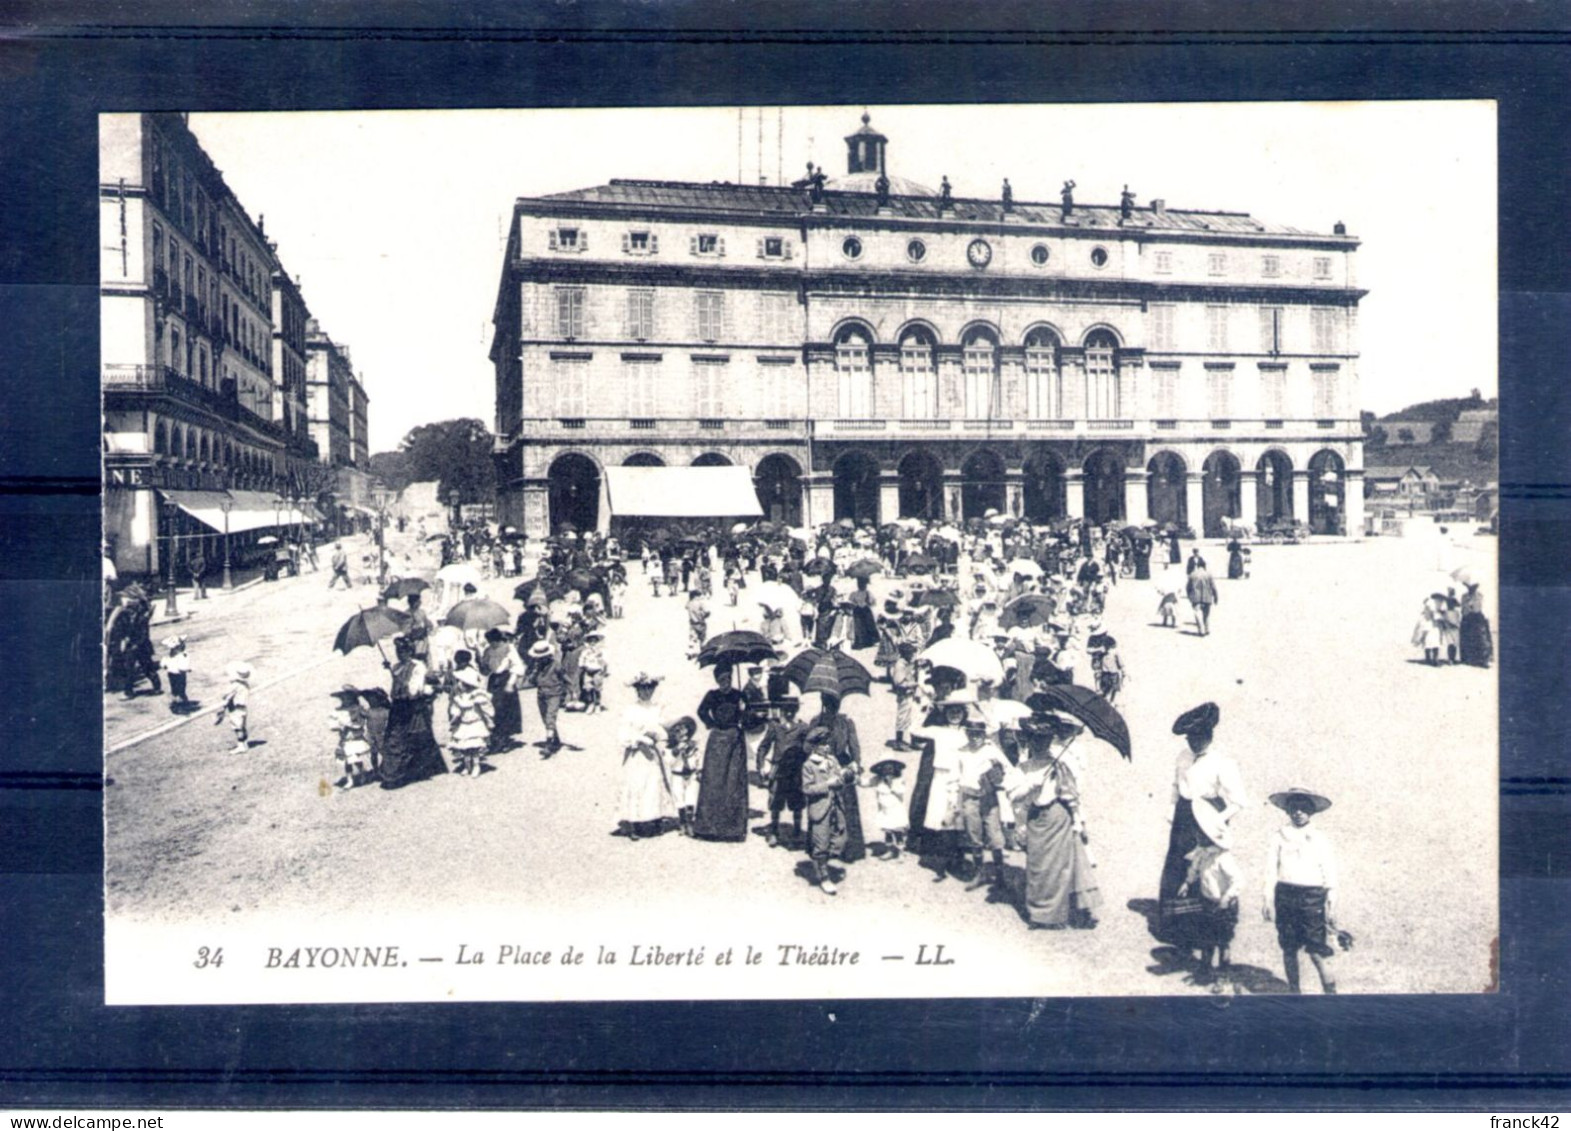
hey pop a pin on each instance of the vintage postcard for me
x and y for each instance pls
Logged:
(800, 552)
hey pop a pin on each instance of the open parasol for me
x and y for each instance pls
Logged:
(477, 613)
(1100, 717)
(867, 567)
(828, 670)
(739, 647)
(918, 563)
(974, 660)
(818, 566)
(368, 627)
(405, 586)
(459, 574)
(1025, 567)
(1027, 611)
(935, 599)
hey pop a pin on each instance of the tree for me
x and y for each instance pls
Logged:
(1488, 447)
(456, 453)
(1376, 437)
(1441, 432)
(1405, 435)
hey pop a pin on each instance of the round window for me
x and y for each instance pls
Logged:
(852, 248)
(1039, 255)
(916, 251)
(1099, 257)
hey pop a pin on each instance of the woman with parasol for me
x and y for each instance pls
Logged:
(409, 753)
(1210, 776)
(1061, 887)
(721, 813)
(647, 796)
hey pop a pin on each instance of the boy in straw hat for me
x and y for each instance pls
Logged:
(234, 706)
(177, 666)
(1306, 879)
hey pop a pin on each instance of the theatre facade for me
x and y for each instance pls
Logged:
(871, 348)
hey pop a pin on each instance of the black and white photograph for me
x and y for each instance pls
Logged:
(799, 552)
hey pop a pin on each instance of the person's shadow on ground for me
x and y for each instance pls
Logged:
(1168, 960)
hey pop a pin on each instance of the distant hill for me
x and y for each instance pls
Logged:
(1447, 409)
(1450, 461)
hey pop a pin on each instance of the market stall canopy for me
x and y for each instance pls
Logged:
(682, 492)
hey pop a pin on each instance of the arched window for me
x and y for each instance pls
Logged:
(1103, 400)
(979, 356)
(855, 377)
(1044, 383)
(918, 376)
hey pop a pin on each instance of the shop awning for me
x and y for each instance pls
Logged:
(682, 492)
(248, 510)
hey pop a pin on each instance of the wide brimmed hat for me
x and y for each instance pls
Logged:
(173, 642)
(892, 607)
(1209, 818)
(892, 767)
(960, 697)
(686, 722)
(1100, 641)
(1050, 723)
(239, 671)
(1319, 801)
(645, 679)
(347, 691)
(539, 650)
(497, 635)
(819, 736)
(1198, 719)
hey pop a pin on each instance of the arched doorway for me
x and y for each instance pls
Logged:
(1220, 492)
(574, 492)
(1104, 488)
(643, 459)
(982, 484)
(1327, 494)
(1043, 488)
(1166, 494)
(921, 486)
(711, 459)
(856, 487)
(778, 482)
(1274, 487)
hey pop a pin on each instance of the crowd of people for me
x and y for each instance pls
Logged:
(991, 642)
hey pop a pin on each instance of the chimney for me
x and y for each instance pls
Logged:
(1339, 228)
(1159, 206)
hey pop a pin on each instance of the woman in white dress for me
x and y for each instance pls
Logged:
(646, 791)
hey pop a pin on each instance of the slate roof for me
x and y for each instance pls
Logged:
(770, 200)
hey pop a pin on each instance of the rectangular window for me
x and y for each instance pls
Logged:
(710, 306)
(709, 389)
(1325, 393)
(1216, 328)
(564, 239)
(854, 380)
(774, 318)
(1322, 329)
(1164, 263)
(708, 243)
(1216, 263)
(1044, 388)
(175, 353)
(1271, 266)
(570, 379)
(1166, 393)
(1322, 267)
(1162, 326)
(570, 312)
(918, 381)
(643, 384)
(980, 369)
(638, 242)
(1219, 393)
(1271, 329)
(1273, 393)
(641, 313)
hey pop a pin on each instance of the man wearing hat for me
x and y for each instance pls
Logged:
(1306, 878)
(824, 781)
(550, 689)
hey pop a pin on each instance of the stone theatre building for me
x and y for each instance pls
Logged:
(872, 348)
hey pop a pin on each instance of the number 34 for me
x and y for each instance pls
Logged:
(206, 957)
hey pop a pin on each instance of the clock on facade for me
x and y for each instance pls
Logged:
(979, 253)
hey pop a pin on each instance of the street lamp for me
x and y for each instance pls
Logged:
(226, 504)
(172, 605)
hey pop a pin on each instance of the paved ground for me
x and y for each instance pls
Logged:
(1309, 660)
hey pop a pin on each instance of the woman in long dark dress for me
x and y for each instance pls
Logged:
(848, 752)
(1235, 560)
(1174, 555)
(409, 749)
(503, 669)
(721, 813)
(1207, 775)
(1477, 645)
